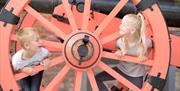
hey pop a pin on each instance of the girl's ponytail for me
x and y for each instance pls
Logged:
(143, 51)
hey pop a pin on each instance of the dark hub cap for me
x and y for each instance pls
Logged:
(82, 50)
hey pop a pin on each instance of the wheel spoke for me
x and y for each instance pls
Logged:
(109, 18)
(110, 38)
(53, 85)
(86, 15)
(54, 62)
(69, 15)
(126, 58)
(13, 37)
(78, 80)
(28, 18)
(44, 22)
(92, 80)
(118, 77)
(56, 46)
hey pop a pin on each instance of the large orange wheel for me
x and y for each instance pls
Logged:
(83, 39)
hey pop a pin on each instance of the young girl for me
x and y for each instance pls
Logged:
(31, 54)
(135, 43)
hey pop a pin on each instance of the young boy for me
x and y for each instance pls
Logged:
(31, 54)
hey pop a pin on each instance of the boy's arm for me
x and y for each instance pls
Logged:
(19, 65)
(45, 62)
(29, 70)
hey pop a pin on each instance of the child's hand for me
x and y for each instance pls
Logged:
(34, 72)
(45, 63)
(142, 58)
(29, 70)
(119, 53)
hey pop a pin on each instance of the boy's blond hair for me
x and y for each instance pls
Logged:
(25, 35)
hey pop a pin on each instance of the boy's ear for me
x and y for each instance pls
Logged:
(26, 45)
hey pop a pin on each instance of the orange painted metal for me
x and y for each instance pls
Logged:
(6, 73)
(102, 31)
(121, 86)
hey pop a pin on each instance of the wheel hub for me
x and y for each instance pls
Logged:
(82, 50)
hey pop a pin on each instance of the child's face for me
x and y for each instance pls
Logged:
(34, 45)
(126, 26)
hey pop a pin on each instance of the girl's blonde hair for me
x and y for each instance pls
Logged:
(138, 21)
(25, 35)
